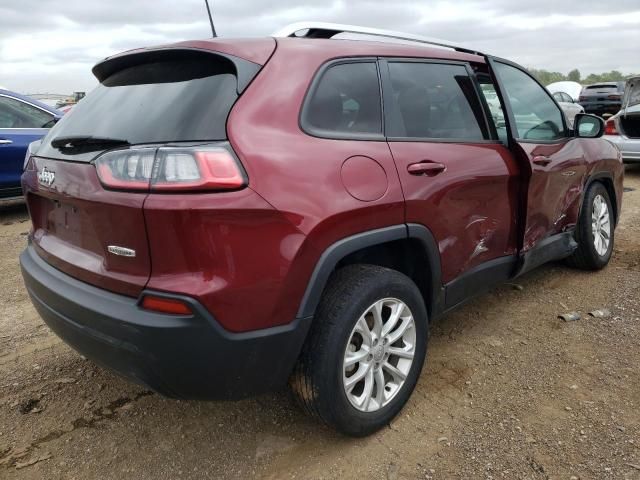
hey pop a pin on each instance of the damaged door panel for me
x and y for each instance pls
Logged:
(471, 207)
(481, 231)
(554, 188)
(469, 201)
(552, 160)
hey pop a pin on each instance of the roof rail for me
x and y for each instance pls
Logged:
(329, 30)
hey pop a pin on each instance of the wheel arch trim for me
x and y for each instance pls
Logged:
(341, 248)
(611, 190)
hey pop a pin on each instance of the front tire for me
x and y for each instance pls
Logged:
(365, 350)
(595, 230)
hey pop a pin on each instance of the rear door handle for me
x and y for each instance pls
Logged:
(426, 167)
(4, 141)
(541, 160)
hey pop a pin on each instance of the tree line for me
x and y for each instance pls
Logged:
(545, 77)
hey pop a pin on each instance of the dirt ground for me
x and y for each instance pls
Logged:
(508, 391)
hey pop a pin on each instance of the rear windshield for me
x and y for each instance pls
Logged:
(165, 101)
(599, 87)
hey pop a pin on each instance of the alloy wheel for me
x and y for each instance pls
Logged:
(600, 225)
(379, 354)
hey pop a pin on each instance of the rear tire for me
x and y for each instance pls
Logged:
(595, 230)
(365, 350)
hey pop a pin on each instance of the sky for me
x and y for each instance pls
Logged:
(49, 46)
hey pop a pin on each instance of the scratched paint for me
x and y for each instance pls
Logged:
(479, 232)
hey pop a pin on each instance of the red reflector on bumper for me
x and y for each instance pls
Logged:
(165, 305)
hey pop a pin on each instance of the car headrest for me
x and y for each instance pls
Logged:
(325, 109)
(415, 109)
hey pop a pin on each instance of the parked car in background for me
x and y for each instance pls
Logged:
(623, 129)
(67, 108)
(602, 98)
(572, 89)
(495, 107)
(307, 223)
(22, 121)
(569, 107)
(69, 102)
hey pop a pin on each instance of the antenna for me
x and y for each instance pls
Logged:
(213, 29)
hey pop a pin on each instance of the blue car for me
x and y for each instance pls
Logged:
(22, 121)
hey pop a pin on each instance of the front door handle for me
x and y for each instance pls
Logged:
(4, 141)
(541, 160)
(426, 167)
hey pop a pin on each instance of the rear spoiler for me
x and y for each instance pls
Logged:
(245, 70)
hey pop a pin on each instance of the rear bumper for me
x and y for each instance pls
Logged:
(601, 107)
(629, 147)
(189, 357)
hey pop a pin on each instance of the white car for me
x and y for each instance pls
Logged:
(568, 106)
(572, 89)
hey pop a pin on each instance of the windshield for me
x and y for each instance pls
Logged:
(165, 101)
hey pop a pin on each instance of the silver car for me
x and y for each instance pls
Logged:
(623, 129)
(568, 106)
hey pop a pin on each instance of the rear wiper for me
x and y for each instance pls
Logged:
(76, 141)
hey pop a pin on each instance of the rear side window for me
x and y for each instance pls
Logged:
(435, 101)
(177, 99)
(17, 114)
(345, 102)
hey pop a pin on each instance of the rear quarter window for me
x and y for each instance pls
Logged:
(344, 102)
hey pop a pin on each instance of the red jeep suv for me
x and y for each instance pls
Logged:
(221, 216)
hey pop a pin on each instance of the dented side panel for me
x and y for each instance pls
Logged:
(471, 207)
(554, 191)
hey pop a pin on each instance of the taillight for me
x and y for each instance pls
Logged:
(582, 98)
(170, 169)
(614, 97)
(127, 169)
(31, 149)
(30, 165)
(165, 305)
(211, 169)
(610, 128)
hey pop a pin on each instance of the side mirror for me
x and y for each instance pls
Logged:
(588, 126)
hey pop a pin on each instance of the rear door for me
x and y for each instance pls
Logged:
(95, 230)
(552, 160)
(20, 124)
(458, 179)
(75, 220)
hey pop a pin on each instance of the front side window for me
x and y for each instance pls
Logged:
(537, 117)
(17, 114)
(346, 101)
(435, 101)
(562, 97)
